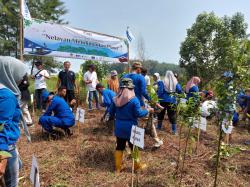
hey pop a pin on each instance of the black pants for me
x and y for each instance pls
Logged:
(39, 102)
(70, 95)
(171, 111)
(121, 144)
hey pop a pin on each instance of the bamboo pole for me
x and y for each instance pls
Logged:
(20, 31)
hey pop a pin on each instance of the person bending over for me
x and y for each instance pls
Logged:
(63, 117)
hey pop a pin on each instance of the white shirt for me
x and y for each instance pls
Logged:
(40, 79)
(88, 76)
(147, 79)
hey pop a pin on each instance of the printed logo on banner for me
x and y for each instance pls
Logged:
(137, 136)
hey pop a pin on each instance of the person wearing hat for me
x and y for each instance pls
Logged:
(139, 82)
(12, 72)
(113, 82)
(126, 110)
(40, 76)
(107, 95)
(91, 80)
(63, 116)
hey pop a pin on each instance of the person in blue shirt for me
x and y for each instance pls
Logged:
(165, 91)
(107, 95)
(12, 72)
(192, 89)
(139, 82)
(63, 116)
(126, 109)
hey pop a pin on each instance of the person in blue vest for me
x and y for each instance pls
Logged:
(12, 72)
(63, 117)
(139, 82)
(166, 90)
(107, 95)
(126, 109)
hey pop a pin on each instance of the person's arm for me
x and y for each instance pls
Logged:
(45, 74)
(50, 108)
(85, 79)
(138, 111)
(144, 88)
(111, 110)
(74, 81)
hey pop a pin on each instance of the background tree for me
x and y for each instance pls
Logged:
(141, 48)
(202, 50)
(49, 10)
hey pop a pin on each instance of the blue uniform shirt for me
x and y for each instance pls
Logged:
(126, 116)
(108, 97)
(10, 114)
(61, 110)
(191, 91)
(140, 86)
(164, 96)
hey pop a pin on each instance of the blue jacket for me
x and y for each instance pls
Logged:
(191, 91)
(140, 86)
(126, 116)
(107, 97)
(10, 114)
(164, 96)
(61, 110)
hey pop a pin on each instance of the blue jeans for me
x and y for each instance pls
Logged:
(91, 94)
(12, 169)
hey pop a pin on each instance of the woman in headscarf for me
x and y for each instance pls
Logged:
(166, 90)
(126, 109)
(113, 82)
(192, 88)
(12, 72)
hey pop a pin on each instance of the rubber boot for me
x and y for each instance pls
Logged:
(139, 166)
(174, 130)
(159, 125)
(118, 161)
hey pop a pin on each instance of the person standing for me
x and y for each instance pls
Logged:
(113, 82)
(144, 72)
(139, 82)
(25, 98)
(40, 76)
(91, 80)
(12, 72)
(166, 90)
(192, 88)
(66, 78)
(126, 109)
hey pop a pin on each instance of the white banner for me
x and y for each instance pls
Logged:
(49, 39)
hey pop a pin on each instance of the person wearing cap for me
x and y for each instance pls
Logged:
(107, 96)
(40, 76)
(113, 82)
(66, 78)
(91, 80)
(63, 117)
(139, 82)
(126, 110)
(12, 72)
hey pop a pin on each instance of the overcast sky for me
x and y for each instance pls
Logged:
(162, 23)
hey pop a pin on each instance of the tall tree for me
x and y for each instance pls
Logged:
(141, 48)
(206, 43)
(50, 10)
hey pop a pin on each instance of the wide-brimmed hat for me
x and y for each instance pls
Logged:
(127, 83)
(137, 65)
(113, 73)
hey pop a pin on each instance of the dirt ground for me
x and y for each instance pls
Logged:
(86, 159)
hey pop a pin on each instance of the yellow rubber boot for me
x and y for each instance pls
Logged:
(118, 161)
(140, 166)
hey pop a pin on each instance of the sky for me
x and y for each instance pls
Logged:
(162, 23)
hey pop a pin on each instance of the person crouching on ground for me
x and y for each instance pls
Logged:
(107, 95)
(63, 116)
(126, 109)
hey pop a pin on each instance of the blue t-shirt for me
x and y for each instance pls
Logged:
(164, 96)
(10, 115)
(108, 96)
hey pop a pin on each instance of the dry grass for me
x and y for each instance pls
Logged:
(86, 159)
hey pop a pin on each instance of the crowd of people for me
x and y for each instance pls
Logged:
(125, 98)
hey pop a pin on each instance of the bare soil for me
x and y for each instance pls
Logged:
(86, 158)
